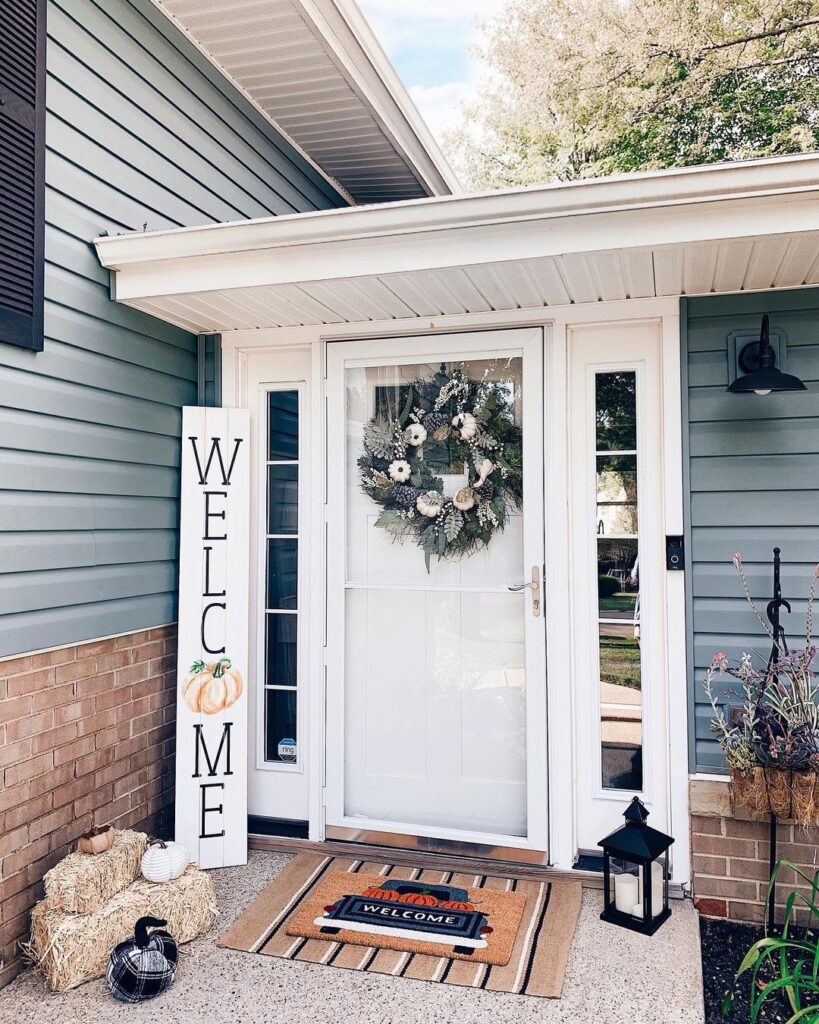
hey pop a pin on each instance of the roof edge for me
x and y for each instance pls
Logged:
(381, 77)
(771, 176)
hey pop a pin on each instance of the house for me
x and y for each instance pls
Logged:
(249, 213)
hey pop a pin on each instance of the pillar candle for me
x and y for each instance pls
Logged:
(625, 892)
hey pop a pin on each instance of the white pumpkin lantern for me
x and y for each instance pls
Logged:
(163, 861)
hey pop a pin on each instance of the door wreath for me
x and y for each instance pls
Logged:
(455, 420)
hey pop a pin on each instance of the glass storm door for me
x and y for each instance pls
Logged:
(617, 558)
(436, 708)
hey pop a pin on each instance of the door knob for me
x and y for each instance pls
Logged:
(534, 586)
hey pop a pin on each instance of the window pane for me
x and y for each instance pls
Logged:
(282, 573)
(282, 499)
(616, 494)
(280, 726)
(281, 650)
(616, 412)
(617, 579)
(283, 422)
(621, 708)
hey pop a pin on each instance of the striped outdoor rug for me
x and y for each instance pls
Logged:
(539, 944)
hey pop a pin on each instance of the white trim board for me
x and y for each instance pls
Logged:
(237, 346)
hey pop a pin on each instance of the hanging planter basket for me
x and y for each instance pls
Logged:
(780, 791)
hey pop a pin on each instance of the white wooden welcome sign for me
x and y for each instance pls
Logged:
(211, 710)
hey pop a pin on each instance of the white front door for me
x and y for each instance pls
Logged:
(435, 678)
(617, 575)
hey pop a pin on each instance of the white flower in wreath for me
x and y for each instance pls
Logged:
(464, 499)
(466, 424)
(399, 470)
(430, 503)
(483, 468)
(415, 435)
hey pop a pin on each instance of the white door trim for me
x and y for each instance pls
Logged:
(236, 345)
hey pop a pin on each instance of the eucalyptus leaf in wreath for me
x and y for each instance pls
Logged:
(450, 420)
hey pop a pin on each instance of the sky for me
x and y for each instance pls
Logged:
(428, 43)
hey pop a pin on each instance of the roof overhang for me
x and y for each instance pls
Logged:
(315, 69)
(726, 228)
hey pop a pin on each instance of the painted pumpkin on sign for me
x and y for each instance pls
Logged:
(421, 899)
(374, 893)
(211, 688)
(456, 905)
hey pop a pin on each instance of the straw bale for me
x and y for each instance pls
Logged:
(74, 948)
(83, 882)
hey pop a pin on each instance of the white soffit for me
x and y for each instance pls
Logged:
(730, 228)
(317, 71)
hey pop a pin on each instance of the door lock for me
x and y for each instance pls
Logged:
(534, 586)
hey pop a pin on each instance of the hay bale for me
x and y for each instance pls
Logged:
(82, 882)
(73, 948)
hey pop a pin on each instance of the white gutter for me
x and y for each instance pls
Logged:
(751, 199)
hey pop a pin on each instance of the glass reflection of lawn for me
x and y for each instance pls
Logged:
(620, 661)
(619, 602)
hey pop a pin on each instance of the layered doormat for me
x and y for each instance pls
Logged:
(491, 932)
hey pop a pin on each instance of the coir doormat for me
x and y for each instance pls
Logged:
(492, 932)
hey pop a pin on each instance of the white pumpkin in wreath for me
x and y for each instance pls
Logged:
(430, 503)
(163, 861)
(466, 425)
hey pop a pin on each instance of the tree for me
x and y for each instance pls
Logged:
(583, 88)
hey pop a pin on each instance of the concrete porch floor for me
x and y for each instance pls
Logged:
(613, 977)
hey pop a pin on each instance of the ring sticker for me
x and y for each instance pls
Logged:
(287, 750)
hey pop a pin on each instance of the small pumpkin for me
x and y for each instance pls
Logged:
(98, 840)
(211, 688)
(375, 893)
(163, 861)
(430, 503)
(421, 899)
(456, 905)
(142, 967)
(466, 425)
(464, 499)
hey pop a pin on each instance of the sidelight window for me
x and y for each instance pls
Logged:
(281, 589)
(618, 581)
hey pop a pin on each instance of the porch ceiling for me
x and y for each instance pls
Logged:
(751, 226)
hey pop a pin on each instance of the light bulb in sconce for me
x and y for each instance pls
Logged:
(762, 391)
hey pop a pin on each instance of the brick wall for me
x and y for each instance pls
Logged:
(86, 738)
(730, 851)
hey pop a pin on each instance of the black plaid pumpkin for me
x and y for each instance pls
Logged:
(143, 966)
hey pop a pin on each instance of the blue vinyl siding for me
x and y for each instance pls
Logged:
(752, 466)
(142, 131)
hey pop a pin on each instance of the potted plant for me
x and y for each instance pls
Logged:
(771, 737)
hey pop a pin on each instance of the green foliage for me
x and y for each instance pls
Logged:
(787, 963)
(582, 88)
(607, 586)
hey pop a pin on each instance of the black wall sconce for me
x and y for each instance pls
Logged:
(757, 360)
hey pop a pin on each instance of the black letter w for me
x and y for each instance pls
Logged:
(215, 450)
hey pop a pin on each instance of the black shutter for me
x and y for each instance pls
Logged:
(22, 165)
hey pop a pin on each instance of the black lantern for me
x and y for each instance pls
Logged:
(635, 873)
(761, 376)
